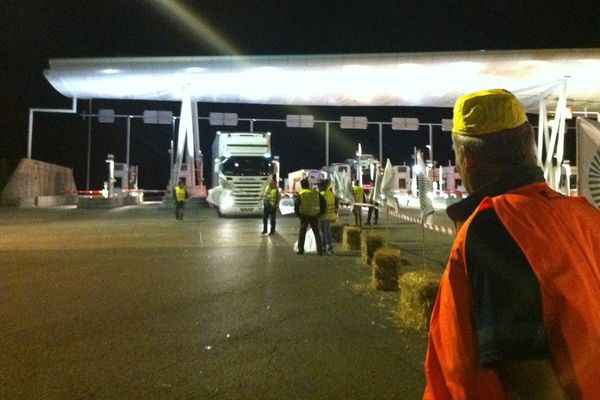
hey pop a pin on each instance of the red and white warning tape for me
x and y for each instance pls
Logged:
(416, 220)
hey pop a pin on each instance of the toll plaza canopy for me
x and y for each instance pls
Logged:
(400, 79)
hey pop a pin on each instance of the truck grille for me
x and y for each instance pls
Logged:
(247, 193)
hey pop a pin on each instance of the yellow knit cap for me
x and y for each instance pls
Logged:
(487, 111)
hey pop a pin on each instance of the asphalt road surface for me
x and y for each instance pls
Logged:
(131, 304)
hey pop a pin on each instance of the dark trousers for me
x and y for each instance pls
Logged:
(269, 213)
(305, 221)
(179, 206)
(372, 210)
(357, 211)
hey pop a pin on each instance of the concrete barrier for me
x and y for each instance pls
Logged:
(33, 179)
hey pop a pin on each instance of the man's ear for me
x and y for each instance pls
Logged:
(469, 161)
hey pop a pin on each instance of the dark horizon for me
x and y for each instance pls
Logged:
(32, 32)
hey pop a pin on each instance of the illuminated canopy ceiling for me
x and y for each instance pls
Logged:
(402, 79)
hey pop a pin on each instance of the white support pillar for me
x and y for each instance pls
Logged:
(380, 143)
(327, 143)
(89, 148)
(184, 136)
(430, 144)
(556, 142)
(125, 178)
(542, 138)
(199, 170)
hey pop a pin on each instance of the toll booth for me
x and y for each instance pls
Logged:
(451, 179)
(126, 177)
(402, 179)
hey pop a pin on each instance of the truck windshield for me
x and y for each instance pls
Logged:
(246, 166)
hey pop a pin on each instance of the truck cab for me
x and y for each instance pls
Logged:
(242, 167)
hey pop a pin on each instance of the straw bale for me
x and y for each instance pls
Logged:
(418, 291)
(351, 238)
(337, 232)
(369, 243)
(386, 268)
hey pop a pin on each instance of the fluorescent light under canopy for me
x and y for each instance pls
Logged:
(389, 79)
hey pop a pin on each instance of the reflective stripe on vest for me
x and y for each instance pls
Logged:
(330, 212)
(569, 277)
(309, 202)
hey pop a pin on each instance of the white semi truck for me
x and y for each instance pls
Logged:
(242, 167)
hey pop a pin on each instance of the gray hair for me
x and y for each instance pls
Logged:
(507, 150)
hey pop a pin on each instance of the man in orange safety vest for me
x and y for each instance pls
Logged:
(518, 309)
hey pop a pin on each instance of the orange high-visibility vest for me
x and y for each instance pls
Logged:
(560, 237)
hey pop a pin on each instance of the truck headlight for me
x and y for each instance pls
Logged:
(227, 202)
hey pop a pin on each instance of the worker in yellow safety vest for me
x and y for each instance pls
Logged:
(359, 197)
(309, 205)
(181, 194)
(330, 215)
(271, 198)
(374, 203)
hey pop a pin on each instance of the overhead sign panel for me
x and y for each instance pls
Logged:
(106, 116)
(165, 117)
(447, 125)
(227, 119)
(348, 122)
(158, 117)
(299, 121)
(405, 124)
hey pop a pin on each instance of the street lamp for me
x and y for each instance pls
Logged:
(429, 149)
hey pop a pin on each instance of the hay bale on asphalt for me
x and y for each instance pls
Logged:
(386, 268)
(369, 243)
(418, 291)
(337, 232)
(351, 238)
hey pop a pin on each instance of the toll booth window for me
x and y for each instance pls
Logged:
(247, 166)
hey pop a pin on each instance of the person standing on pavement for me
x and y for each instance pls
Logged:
(518, 309)
(309, 205)
(271, 198)
(373, 210)
(329, 216)
(359, 197)
(181, 195)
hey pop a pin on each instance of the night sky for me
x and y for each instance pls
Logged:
(33, 31)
